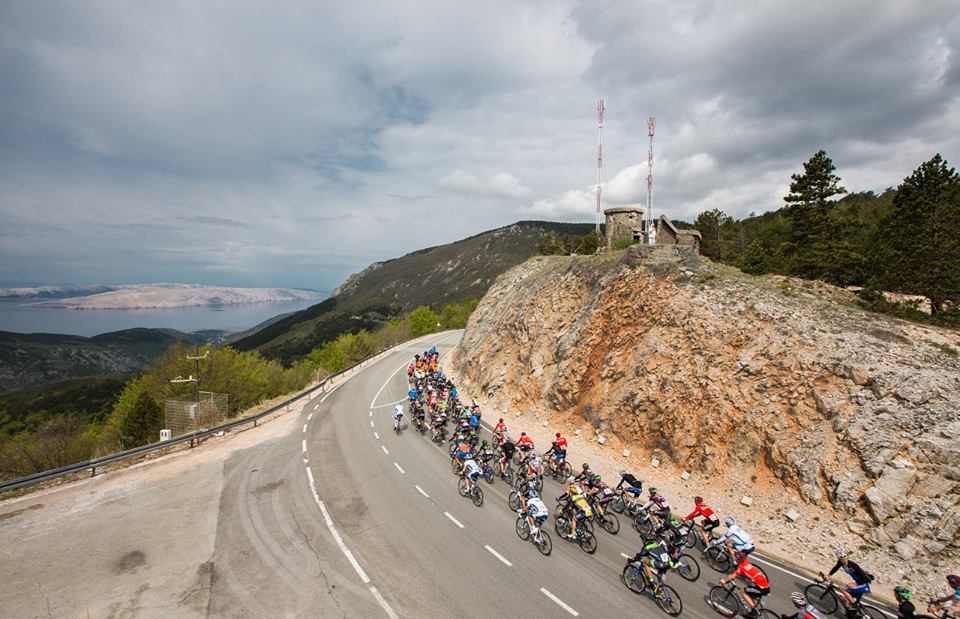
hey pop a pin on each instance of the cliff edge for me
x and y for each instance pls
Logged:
(776, 388)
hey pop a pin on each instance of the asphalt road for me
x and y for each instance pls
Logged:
(321, 513)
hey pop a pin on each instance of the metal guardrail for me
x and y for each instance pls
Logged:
(191, 438)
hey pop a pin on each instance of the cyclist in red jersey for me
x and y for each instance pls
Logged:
(710, 518)
(759, 585)
(499, 431)
(525, 445)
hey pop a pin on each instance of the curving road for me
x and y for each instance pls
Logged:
(324, 513)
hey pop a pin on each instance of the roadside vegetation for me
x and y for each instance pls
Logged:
(48, 428)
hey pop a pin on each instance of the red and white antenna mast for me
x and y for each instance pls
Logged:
(601, 106)
(651, 125)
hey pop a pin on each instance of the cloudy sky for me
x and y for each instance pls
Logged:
(288, 143)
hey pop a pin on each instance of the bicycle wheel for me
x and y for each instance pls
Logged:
(643, 526)
(508, 475)
(717, 558)
(618, 504)
(587, 541)
(610, 523)
(669, 600)
(454, 466)
(538, 484)
(871, 612)
(566, 470)
(632, 577)
(693, 536)
(523, 528)
(822, 598)
(688, 569)
(543, 543)
(462, 487)
(724, 601)
(488, 476)
(513, 501)
(477, 495)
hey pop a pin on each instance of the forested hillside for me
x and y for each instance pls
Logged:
(435, 276)
(904, 240)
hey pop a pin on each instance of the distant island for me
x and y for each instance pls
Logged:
(154, 296)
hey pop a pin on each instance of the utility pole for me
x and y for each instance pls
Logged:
(651, 236)
(601, 108)
(195, 412)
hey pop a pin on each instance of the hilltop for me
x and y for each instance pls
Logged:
(780, 389)
(384, 290)
(144, 296)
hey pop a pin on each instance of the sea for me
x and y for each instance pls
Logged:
(14, 316)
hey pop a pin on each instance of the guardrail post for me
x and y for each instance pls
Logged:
(93, 471)
(254, 423)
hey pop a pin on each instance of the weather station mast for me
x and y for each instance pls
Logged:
(651, 232)
(601, 107)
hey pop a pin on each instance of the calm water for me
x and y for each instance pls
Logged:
(14, 317)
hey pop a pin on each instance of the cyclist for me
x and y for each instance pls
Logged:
(805, 609)
(600, 493)
(471, 471)
(758, 585)
(438, 422)
(533, 508)
(507, 448)
(499, 431)
(736, 539)
(856, 588)
(558, 451)
(710, 519)
(413, 394)
(670, 529)
(634, 487)
(574, 505)
(534, 466)
(655, 556)
(485, 454)
(905, 608)
(474, 418)
(585, 473)
(525, 445)
(950, 601)
(662, 511)
(397, 415)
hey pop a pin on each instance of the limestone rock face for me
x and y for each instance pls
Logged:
(714, 371)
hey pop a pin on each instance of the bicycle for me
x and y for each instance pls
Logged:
(824, 597)
(538, 537)
(486, 471)
(727, 601)
(687, 566)
(396, 423)
(559, 469)
(584, 536)
(469, 488)
(665, 596)
(621, 503)
(607, 521)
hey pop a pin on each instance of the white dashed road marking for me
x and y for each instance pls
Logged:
(559, 602)
(384, 450)
(304, 428)
(316, 407)
(310, 416)
(376, 436)
(399, 469)
(499, 556)
(371, 424)
(420, 490)
(452, 519)
(304, 445)
(625, 556)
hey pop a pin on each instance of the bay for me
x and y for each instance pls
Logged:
(19, 319)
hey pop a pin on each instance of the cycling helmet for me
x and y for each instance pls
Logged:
(484, 443)
(532, 493)
(840, 554)
(501, 420)
(799, 600)
(558, 435)
(901, 592)
(953, 580)
(729, 521)
(585, 466)
(698, 500)
(596, 477)
(653, 490)
(622, 472)
(523, 434)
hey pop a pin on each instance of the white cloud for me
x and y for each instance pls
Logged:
(501, 185)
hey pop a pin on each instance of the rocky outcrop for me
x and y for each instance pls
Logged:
(719, 372)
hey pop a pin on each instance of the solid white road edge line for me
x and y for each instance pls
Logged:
(420, 490)
(383, 603)
(399, 469)
(452, 519)
(499, 556)
(333, 531)
(559, 602)
(384, 450)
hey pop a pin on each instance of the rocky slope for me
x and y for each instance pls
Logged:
(779, 389)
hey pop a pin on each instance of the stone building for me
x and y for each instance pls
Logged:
(624, 222)
(628, 222)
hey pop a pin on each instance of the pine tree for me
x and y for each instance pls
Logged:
(143, 423)
(811, 234)
(919, 242)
